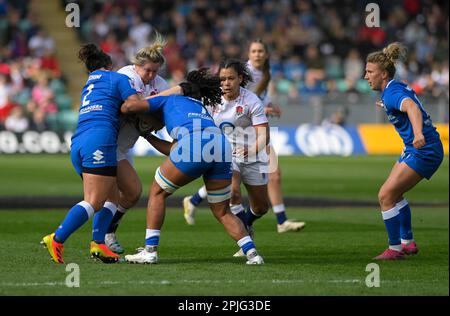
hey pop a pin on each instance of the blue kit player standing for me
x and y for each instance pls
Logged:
(200, 149)
(93, 153)
(421, 157)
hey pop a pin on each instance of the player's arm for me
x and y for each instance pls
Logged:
(134, 104)
(161, 145)
(174, 90)
(415, 117)
(262, 138)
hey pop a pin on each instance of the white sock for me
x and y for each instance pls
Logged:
(236, 208)
(202, 192)
(396, 247)
(279, 208)
(407, 241)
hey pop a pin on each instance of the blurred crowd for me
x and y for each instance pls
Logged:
(316, 46)
(32, 87)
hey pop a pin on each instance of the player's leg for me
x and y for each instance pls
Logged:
(236, 206)
(129, 190)
(276, 197)
(401, 179)
(96, 190)
(168, 178)
(97, 185)
(259, 202)
(219, 193)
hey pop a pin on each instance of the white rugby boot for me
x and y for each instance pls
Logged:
(253, 257)
(189, 210)
(144, 256)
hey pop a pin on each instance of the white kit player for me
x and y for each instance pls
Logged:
(242, 119)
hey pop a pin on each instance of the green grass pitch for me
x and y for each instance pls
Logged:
(329, 257)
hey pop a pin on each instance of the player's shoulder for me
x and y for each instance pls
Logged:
(250, 97)
(395, 86)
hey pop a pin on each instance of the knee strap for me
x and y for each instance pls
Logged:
(164, 183)
(217, 196)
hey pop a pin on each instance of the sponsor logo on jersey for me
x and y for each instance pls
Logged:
(98, 156)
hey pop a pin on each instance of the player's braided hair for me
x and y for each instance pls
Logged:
(386, 58)
(240, 68)
(203, 86)
(93, 57)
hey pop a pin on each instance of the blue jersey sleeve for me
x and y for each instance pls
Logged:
(124, 87)
(157, 103)
(394, 99)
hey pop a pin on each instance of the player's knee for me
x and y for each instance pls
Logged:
(261, 207)
(386, 198)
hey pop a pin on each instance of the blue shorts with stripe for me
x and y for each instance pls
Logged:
(426, 160)
(94, 148)
(204, 153)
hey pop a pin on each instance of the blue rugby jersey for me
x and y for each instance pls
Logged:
(392, 97)
(101, 99)
(181, 114)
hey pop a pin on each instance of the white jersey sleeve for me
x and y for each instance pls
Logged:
(135, 79)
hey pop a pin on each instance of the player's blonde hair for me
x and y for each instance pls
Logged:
(386, 58)
(152, 53)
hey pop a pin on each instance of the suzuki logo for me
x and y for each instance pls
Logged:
(98, 155)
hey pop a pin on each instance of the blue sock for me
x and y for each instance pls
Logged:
(250, 217)
(152, 237)
(281, 217)
(392, 221)
(115, 222)
(405, 220)
(101, 222)
(75, 218)
(246, 243)
(196, 199)
(241, 215)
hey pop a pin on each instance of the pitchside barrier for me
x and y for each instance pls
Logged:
(305, 139)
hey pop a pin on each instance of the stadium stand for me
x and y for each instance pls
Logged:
(313, 60)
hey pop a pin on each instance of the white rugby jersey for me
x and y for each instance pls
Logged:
(257, 76)
(153, 87)
(128, 134)
(233, 117)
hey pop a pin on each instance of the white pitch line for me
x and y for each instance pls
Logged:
(167, 282)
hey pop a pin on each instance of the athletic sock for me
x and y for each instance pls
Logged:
(250, 217)
(280, 213)
(199, 196)
(391, 220)
(116, 219)
(75, 218)
(406, 233)
(246, 243)
(152, 237)
(102, 221)
(239, 211)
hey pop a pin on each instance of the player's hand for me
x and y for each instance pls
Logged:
(419, 141)
(379, 103)
(273, 110)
